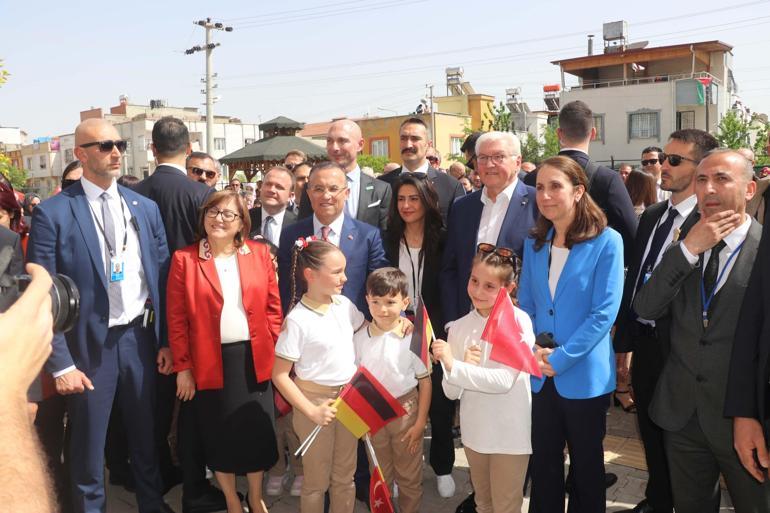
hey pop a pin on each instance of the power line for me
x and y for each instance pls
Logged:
(276, 13)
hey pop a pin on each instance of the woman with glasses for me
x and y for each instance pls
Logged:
(571, 286)
(224, 316)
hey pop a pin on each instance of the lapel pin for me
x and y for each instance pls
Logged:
(524, 201)
(350, 237)
(135, 203)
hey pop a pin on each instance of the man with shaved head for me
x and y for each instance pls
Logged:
(111, 242)
(369, 199)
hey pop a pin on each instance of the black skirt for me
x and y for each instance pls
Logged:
(237, 422)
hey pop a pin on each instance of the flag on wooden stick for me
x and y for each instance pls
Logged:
(423, 335)
(365, 405)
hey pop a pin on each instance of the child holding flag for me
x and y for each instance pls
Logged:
(384, 349)
(495, 402)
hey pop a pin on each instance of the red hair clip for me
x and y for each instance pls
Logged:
(302, 242)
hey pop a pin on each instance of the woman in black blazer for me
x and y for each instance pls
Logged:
(413, 243)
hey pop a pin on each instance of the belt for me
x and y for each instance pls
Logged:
(136, 321)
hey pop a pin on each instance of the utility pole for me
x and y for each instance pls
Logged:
(208, 48)
(432, 116)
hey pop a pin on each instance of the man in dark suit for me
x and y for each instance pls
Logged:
(698, 284)
(368, 200)
(660, 225)
(269, 219)
(576, 129)
(111, 242)
(179, 200)
(414, 144)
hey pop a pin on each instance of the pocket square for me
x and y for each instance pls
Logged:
(370, 205)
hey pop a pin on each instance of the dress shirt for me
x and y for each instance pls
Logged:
(277, 224)
(233, 323)
(423, 169)
(354, 184)
(175, 166)
(493, 214)
(662, 195)
(334, 233)
(732, 241)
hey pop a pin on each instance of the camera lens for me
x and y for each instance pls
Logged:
(65, 300)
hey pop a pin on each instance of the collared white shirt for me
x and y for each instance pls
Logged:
(684, 208)
(423, 169)
(732, 242)
(277, 224)
(662, 195)
(175, 166)
(493, 214)
(354, 184)
(334, 233)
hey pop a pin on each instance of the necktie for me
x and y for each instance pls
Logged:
(350, 208)
(711, 272)
(268, 231)
(658, 239)
(325, 233)
(113, 287)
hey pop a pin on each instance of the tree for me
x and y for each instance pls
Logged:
(733, 132)
(531, 149)
(17, 177)
(760, 143)
(551, 146)
(3, 74)
(499, 118)
(376, 163)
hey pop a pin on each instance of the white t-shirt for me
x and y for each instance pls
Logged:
(388, 357)
(233, 323)
(318, 338)
(495, 400)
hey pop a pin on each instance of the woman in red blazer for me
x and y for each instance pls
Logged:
(224, 316)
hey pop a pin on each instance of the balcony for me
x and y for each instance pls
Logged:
(620, 82)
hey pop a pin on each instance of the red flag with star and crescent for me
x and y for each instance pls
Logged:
(379, 494)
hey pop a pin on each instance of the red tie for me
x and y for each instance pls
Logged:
(325, 233)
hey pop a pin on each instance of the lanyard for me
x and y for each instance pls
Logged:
(101, 228)
(416, 276)
(707, 302)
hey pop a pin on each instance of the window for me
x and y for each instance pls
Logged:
(599, 125)
(68, 156)
(455, 143)
(43, 162)
(29, 162)
(685, 119)
(379, 147)
(219, 143)
(644, 125)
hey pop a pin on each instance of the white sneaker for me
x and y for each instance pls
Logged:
(395, 490)
(275, 485)
(296, 486)
(445, 485)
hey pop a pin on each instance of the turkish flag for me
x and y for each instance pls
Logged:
(379, 495)
(504, 333)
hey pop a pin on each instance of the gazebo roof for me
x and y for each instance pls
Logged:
(274, 149)
(281, 122)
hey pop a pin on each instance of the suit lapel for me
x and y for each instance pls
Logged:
(348, 237)
(735, 283)
(365, 194)
(209, 269)
(85, 220)
(143, 232)
(519, 201)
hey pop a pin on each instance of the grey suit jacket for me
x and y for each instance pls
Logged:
(694, 377)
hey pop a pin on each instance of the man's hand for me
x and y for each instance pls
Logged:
(165, 361)
(73, 382)
(623, 365)
(748, 437)
(26, 334)
(708, 231)
(185, 385)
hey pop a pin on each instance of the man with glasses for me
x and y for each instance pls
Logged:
(110, 241)
(651, 164)
(434, 159)
(273, 214)
(203, 168)
(293, 159)
(414, 144)
(660, 225)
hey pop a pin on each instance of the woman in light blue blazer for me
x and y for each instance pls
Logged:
(571, 286)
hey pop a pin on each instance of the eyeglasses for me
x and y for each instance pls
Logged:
(432, 159)
(197, 171)
(228, 216)
(504, 253)
(650, 162)
(333, 190)
(107, 146)
(496, 159)
(674, 159)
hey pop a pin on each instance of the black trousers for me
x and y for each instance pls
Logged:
(441, 414)
(647, 364)
(581, 425)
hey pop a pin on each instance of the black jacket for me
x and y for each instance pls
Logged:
(255, 214)
(447, 188)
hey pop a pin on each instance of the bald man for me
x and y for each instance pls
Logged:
(369, 199)
(111, 242)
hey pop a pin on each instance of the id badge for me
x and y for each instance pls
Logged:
(117, 270)
(646, 277)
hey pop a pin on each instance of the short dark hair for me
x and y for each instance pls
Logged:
(70, 168)
(470, 142)
(325, 164)
(297, 153)
(650, 149)
(412, 121)
(217, 198)
(128, 181)
(387, 282)
(576, 121)
(170, 136)
(704, 142)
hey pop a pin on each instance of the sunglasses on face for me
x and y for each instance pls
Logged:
(650, 162)
(674, 159)
(107, 146)
(432, 159)
(197, 171)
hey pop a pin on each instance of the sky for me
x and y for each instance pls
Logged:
(316, 60)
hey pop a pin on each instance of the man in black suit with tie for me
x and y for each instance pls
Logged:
(660, 225)
(414, 144)
(179, 200)
(576, 129)
(269, 219)
(369, 200)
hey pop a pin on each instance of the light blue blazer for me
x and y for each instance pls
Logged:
(581, 313)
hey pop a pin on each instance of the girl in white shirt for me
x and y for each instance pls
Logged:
(317, 340)
(495, 401)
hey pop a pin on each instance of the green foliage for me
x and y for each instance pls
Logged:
(376, 163)
(3, 74)
(498, 118)
(733, 132)
(17, 177)
(531, 149)
(239, 175)
(551, 146)
(760, 145)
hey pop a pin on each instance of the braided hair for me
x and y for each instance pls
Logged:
(307, 253)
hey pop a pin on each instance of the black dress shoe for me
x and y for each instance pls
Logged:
(610, 479)
(468, 505)
(642, 507)
(211, 500)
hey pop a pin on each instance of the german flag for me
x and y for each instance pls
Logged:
(364, 405)
(423, 335)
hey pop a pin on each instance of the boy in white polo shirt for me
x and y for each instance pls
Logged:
(383, 348)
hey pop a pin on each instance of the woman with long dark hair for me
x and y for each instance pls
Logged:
(642, 189)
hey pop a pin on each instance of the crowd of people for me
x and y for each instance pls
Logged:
(217, 328)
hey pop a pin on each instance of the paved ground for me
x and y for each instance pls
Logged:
(623, 455)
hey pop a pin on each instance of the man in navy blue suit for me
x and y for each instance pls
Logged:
(111, 242)
(360, 242)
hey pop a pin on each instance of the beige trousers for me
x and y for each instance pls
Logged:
(285, 437)
(498, 480)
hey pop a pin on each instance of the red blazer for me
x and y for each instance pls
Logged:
(194, 306)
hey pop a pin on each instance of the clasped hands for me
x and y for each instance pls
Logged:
(442, 352)
(541, 355)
